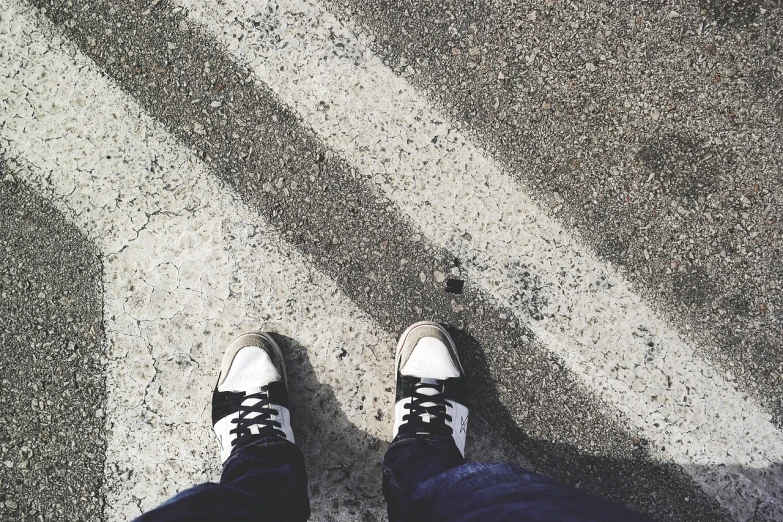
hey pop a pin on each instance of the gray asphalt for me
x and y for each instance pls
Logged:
(51, 397)
(325, 210)
(654, 131)
(684, 193)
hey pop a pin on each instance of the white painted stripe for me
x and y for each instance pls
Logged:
(463, 202)
(187, 265)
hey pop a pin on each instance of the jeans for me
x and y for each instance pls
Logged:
(263, 481)
(425, 478)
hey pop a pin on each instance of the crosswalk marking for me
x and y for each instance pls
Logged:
(463, 202)
(186, 265)
(125, 218)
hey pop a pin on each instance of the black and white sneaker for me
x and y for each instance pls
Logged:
(251, 396)
(431, 384)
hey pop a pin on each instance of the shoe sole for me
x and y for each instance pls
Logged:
(412, 327)
(228, 357)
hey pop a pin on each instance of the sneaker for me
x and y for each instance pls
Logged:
(251, 396)
(431, 385)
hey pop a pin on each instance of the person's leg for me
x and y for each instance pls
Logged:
(264, 477)
(412, 460)
(476, 492)
(424, 472)
(263, 480)
(430, 416)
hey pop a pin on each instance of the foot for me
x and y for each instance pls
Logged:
(251, 396)
(431, 384)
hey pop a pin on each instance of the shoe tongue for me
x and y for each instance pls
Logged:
(428, 390)
(253, 391)
(247, 402)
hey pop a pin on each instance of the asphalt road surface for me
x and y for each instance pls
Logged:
(589, 194)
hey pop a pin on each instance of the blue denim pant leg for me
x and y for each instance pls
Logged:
(264, 480)
(412, 460)
(425, 481)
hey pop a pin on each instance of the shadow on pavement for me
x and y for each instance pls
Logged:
(663, 491)
(344, 460)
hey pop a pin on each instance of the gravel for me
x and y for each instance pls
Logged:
(51, 443)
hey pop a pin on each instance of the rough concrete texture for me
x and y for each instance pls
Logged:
(417, 159)
(52, 443)
(654, 130)
(187, 267)
(204, 99)
(275, 228)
